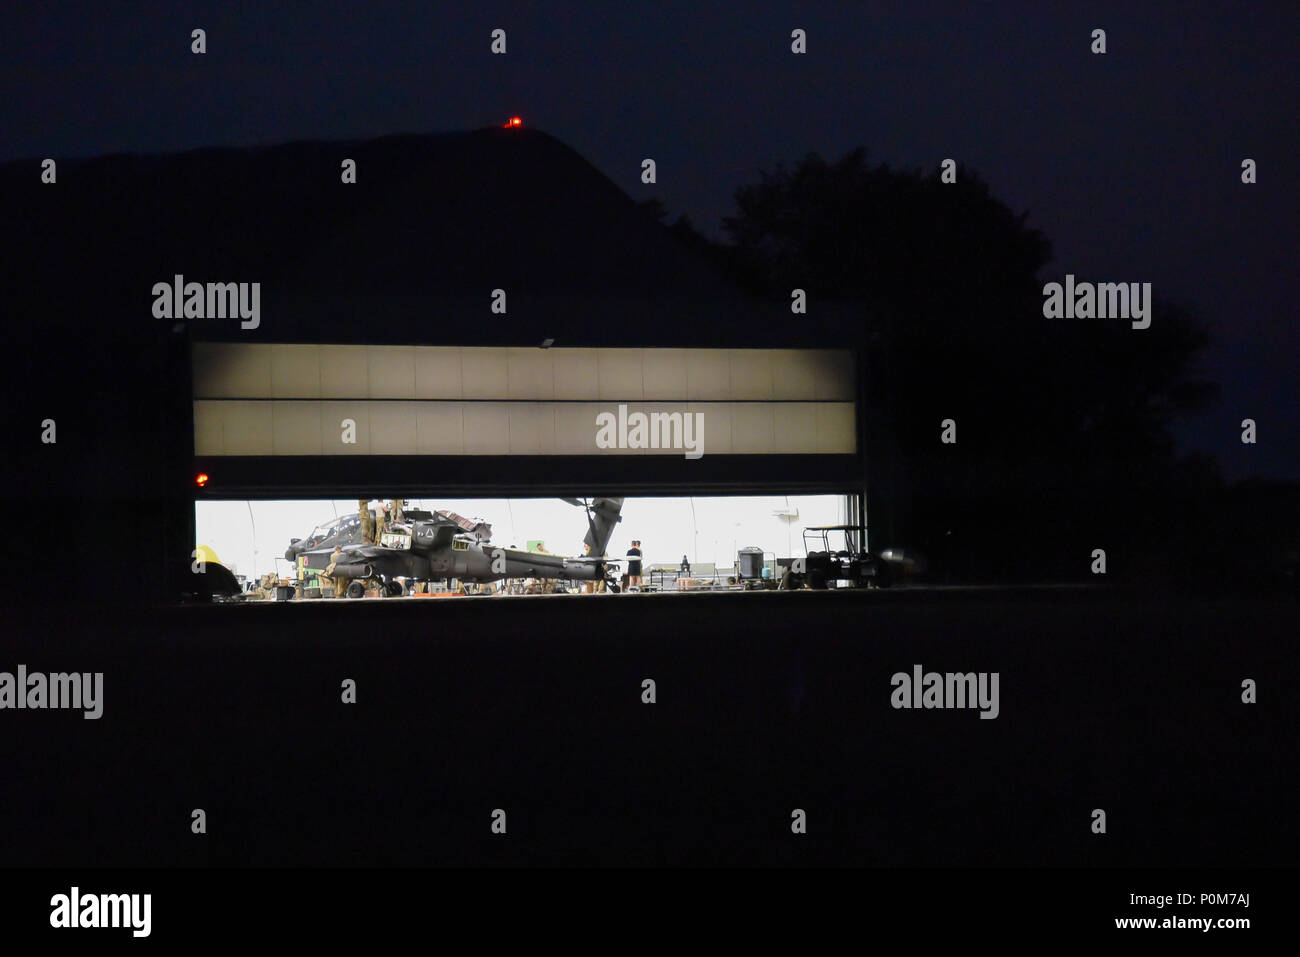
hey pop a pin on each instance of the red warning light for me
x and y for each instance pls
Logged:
(513, 121)
(201, 479)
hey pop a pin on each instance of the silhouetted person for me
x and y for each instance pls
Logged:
(634, 564)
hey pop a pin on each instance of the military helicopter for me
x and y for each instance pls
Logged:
(433, 546)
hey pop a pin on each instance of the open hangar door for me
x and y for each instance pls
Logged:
(683, 543)
(303, 421)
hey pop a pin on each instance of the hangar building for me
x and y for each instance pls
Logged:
(452, 323)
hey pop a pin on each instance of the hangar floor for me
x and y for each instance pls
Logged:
(763, 704)
(833, 594)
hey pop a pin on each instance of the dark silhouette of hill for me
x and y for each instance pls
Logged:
(446, 217)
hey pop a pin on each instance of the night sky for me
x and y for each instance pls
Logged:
(1129, 162)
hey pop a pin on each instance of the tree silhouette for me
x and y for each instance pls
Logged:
(950, 280)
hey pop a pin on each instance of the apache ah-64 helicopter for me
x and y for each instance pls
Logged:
(440, 546)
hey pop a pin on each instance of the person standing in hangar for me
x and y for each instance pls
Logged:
(634, 564)
(367, 521)
(339, 583)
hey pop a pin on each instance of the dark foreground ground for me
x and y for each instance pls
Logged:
(765, 703)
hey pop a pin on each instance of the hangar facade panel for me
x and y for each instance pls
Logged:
(226, 370)
(294, 399)
(251, 427)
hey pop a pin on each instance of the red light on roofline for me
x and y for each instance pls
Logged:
(201, 479)
(513, 121)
